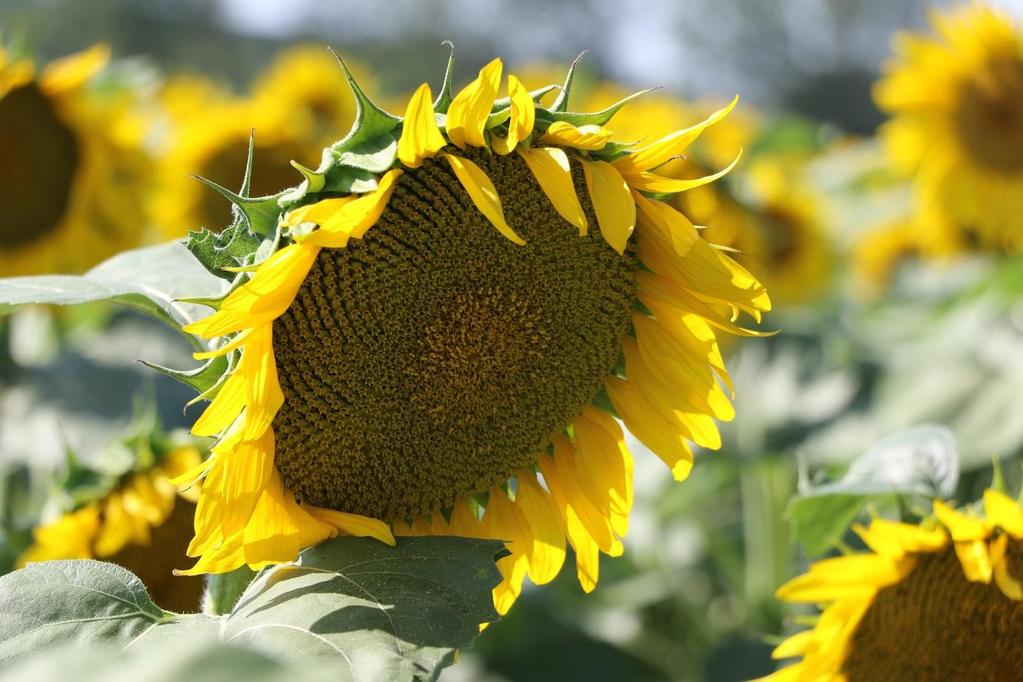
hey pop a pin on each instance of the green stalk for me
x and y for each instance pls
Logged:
(224, 589)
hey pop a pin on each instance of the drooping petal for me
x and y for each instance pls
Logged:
(353, 219)
(895, 540)
(670, 146)
(547, 554)
(651, 182)
(355, 524)
(224, 409)
(550, 167)
(483, 193)
(586, 138)
(612, 202)
(503, 520)
(856, 575)
(264, 396)
(469, 110)
(1003, 512)
(1010, 586)
(264, 297)
(653, 430)
(604, 465)
(523, 116)
(271, 535)
(420, 135)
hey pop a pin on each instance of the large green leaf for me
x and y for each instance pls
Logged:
(61, 601)
(353, 606)
(193, 659)
(150, 280)
(922, 462)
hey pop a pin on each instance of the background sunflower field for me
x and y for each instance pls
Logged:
(878, 198)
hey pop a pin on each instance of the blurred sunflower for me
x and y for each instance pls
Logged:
(293, 111)
(444, 351)
(137, 520)
(937, 601)
(956, 101)
(71, 166)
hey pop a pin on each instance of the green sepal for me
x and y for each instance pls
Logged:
(497, 118)
(218, 382)
(613, 150)
(376, 155)
(444, 98)
(201, 378)
(349, 180)
(260, 213)
(82, 483)
(535, 95)
(560, 103)
(370, 120)
(603, 401)
(247, 179)
(225, 249)
(203, 300)
(593, 118)
(313, 179)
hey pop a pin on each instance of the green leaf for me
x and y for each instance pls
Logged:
(397, 613)
(820, 521)
(198, 659)
(61, 601)
(921, 461)
(150, 280)
(352, 607)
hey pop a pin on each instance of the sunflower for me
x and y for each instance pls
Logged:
(139, 521)
(935, 601)
(956, 101)
(444, 349)
(70, 166)
(300, 97)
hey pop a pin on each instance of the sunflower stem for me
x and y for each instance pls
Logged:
(224, 589)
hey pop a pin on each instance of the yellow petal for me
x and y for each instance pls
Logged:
(604, 466)
(669, 228)
(271, 535)
(651, 182)
(857, 575)
(587, 137)
(234, 344)
(74, 70)
(264, 396)
(550, 167)
(502, 520)
(547, 554)
(793, 646)
(655, 432)
(263, 298)
(355, 524)
(317, 213)
(469, 110)
(961, 527)
(224, 409)
(483, 193)
(1010, 586)
(1003, 512)
(612, 202)
(353, 219)
(523, 115)
(117, 528)
(895, 540)
(670, 146)
(562, 475)
(226, 557)
(420, 136)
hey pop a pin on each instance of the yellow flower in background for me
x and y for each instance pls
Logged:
(295, 110)
(440, 352)
(938, 601)
(308, 80)
(956, 101)
(70, 166)
(143, 524)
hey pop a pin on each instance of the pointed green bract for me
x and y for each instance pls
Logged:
(201, 378)
(561, 101)
(376, 155)
(247, 180)
(260, 213)
(370, 120)
(313, 179)
(444, 97)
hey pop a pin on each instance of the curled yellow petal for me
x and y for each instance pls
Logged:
(354, 218)
(550, 167)
(670, 146)
(355, 524)
(523, 116)
(651, 182)
(612, 202)
(420, 136)
(483, 193)
(469, 110)
(586, 137)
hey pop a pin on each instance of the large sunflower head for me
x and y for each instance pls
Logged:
(70, 166)
(957, 105)
(435, 331)
(935, 601)
(124, 509)
(296, 107)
